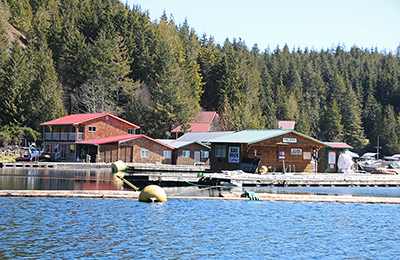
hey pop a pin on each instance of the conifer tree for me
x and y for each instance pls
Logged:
(331, 124)
(387, 132)
(46, 91)
(15, 88)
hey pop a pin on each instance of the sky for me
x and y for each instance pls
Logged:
(312, 24)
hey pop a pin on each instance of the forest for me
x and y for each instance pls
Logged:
(93, 56)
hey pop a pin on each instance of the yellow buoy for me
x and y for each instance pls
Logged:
(153, 193)
(118, 166)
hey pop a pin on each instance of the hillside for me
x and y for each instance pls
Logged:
(81, 56)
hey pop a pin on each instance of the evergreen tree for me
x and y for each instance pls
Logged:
(331, 123)
(387, 132)
(15, 108)
(46, 92)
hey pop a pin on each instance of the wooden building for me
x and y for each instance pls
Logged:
(192, 148)
(60, 136)
(279, 150)
(329, 156)
(128, 148)
(205, 121)
(190, 153)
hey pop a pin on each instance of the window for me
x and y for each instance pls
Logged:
(144, 153)
(167, 154)
(130, 131)
(186, 154)
(92, 129)
(220, 151)
(205, 154)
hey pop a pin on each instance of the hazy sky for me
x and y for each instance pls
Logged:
(316, 24)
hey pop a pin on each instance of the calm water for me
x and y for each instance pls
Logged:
(103, 179)
(75, 228)
(68, 228)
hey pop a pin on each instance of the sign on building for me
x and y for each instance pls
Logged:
(281, 154)
(233, 156)
(296, 151)
(289, 140)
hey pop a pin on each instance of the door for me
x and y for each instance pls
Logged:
(196, 157)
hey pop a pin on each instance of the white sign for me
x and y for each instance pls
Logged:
(289, 140)
(307, 156)
(296, 151)
(233, 156)
(332, 157)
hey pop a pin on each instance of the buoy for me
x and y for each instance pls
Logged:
(153, 193)
(263, 170)
(118, 166)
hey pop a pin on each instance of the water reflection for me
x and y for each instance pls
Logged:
(58, 179)
(103, 179)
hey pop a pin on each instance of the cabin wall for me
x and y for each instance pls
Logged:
(192, 148)
(105, 128)
(274, 153)
(108, 152)
(222, 163)
(155, 154)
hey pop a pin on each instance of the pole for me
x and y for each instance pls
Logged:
(377, 149)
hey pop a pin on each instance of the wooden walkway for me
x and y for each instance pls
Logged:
(55, 165)
(240, 179)
(223, 196)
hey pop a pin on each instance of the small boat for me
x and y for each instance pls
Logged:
(34, 155)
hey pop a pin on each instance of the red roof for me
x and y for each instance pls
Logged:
(202, 122)
(76, 119)
(205, 116)
(340, 145)
(286, 125)
(194, 127)
(120, 139)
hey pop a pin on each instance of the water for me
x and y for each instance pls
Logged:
(74, 228)
(77, 228)
(103, 179)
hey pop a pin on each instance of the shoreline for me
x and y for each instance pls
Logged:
(223, 196)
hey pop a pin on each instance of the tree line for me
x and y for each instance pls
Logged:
(92, 56)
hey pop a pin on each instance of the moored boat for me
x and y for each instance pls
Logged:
(34, 155)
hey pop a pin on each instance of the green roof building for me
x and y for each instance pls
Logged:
(276, 149)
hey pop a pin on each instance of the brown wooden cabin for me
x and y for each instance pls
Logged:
(279, 150)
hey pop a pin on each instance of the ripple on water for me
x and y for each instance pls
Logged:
(65, 228)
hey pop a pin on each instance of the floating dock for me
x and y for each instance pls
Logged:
(223, 196)
(71, 165)
(240, 179)
(144, 167)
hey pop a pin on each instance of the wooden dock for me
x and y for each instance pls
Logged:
(240, 179)
(223, 196)
(70, 165)
(144, 167)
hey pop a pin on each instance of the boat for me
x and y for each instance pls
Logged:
(369, 163)
(34, 155)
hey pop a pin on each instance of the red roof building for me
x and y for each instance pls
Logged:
(205, 121)
(79, 137)
(286, 124)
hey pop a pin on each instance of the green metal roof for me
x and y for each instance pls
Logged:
(253, 136)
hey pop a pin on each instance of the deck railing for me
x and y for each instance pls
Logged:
(63, 136)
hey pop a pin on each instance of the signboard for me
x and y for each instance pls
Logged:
(281, 154)
(233, 155)
(289, 140)
(307, 156)
(296, 151)
(332, 157)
